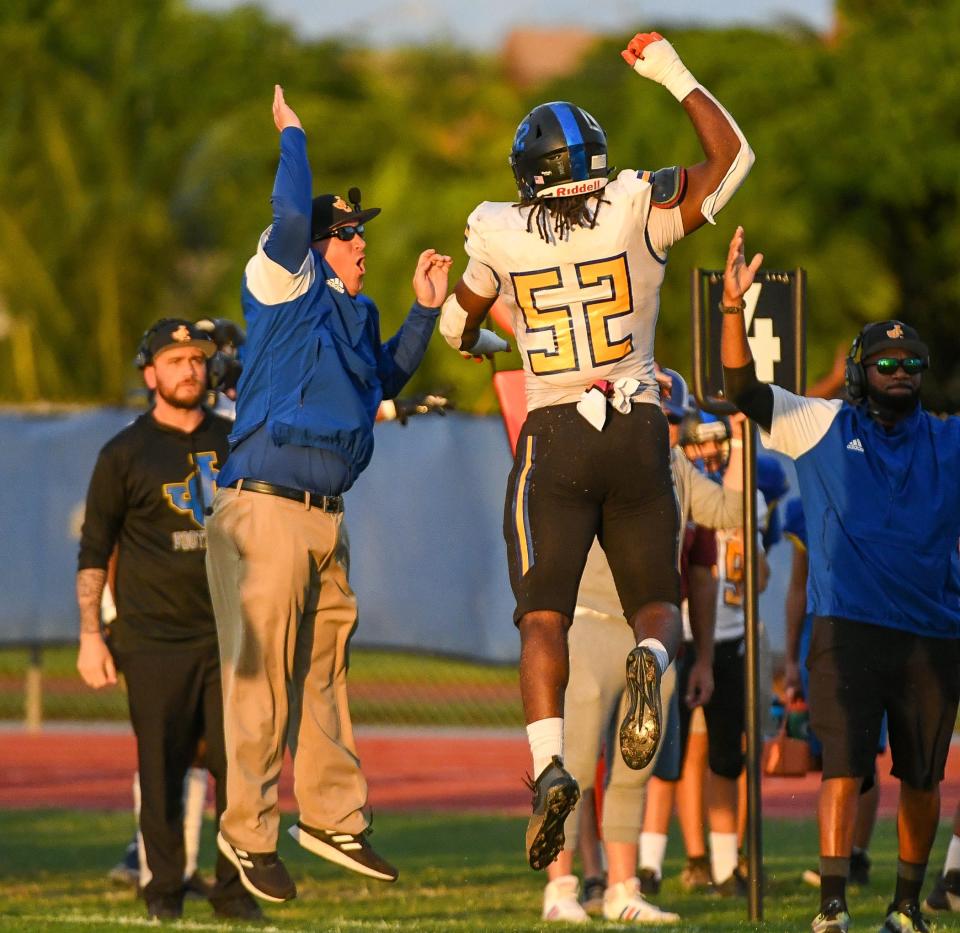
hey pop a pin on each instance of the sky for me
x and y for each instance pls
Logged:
(483, 24)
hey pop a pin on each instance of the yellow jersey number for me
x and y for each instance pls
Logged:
(733, 572)
(533, 294)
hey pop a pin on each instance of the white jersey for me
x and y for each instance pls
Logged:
(584, 307)
(730, 574)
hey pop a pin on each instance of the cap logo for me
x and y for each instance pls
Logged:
(341, 205)
(181, 333)
(895, 332)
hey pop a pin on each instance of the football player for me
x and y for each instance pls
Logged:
(578, 260)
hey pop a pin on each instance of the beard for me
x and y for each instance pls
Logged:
(896, 403)
(183, 395)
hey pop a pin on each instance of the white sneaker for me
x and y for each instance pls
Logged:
(561, 901)
(623, 901)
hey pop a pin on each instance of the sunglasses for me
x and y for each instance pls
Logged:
(888, 365)
(345, 233)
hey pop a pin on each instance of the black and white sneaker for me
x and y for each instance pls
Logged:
(261, 873)
(555, 794)
(641, 727)
(350, 850)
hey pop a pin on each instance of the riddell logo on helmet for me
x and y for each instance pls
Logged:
(581, 187)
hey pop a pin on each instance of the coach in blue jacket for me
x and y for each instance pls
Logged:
(314, 373)
(880, 481)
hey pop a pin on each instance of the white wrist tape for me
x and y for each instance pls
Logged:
(453, 319)
(661, 63)
(739, 168)
(488, 342)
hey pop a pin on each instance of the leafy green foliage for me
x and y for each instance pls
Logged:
(137, 153)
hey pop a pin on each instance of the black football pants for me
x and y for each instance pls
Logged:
(175, 700)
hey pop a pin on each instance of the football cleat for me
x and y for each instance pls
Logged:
(555, 794)
(904, 918)
(834, 918)
(642, 726)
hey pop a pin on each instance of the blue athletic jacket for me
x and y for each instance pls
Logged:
(314, 368)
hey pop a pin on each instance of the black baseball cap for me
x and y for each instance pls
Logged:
(174, 332)
(891, 335)
(330, 211)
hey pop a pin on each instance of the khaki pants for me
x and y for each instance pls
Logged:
(285, 613)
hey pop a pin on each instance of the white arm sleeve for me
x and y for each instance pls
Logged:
(799, 423)
(735, 174)
(270, 283)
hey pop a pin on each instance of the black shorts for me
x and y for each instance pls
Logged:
(571, 483)
(725, 714)
(859, 671)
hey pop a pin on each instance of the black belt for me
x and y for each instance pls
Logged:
(324, 503)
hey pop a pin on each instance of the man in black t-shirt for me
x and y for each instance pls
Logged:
(148, 497)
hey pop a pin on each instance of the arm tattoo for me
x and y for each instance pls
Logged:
(90, 584)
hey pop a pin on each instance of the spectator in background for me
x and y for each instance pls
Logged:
(148, 497)
(709, 441)
(878, 481)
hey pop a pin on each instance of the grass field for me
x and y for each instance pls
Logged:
(465, 874)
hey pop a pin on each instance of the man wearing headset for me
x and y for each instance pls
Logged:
(878, 477)
(148, 496)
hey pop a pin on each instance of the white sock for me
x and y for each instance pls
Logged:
(723, 855)
(653, 847)
(546, 740)
(659, 652)
(194, 800)
(145, 873)
(953, 855)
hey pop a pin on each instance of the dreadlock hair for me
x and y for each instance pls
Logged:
(562, 214)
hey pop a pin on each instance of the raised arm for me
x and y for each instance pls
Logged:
(289, 238)
(711, 183)
(752, 397)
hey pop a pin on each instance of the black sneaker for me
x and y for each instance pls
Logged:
(555, 794)
(197, 888)
(242, 907)
(346, 849)
(945, 895)
(592, 894)
(641, 727)
(165, 907)
(905, 918)
(734, 886)
(649, 881)
(859, 868)
(261, 873)
(696, 873)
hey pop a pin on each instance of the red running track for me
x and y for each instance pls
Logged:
(406, 770)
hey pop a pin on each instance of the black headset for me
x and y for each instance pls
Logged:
(854, 375)
(143, 356)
